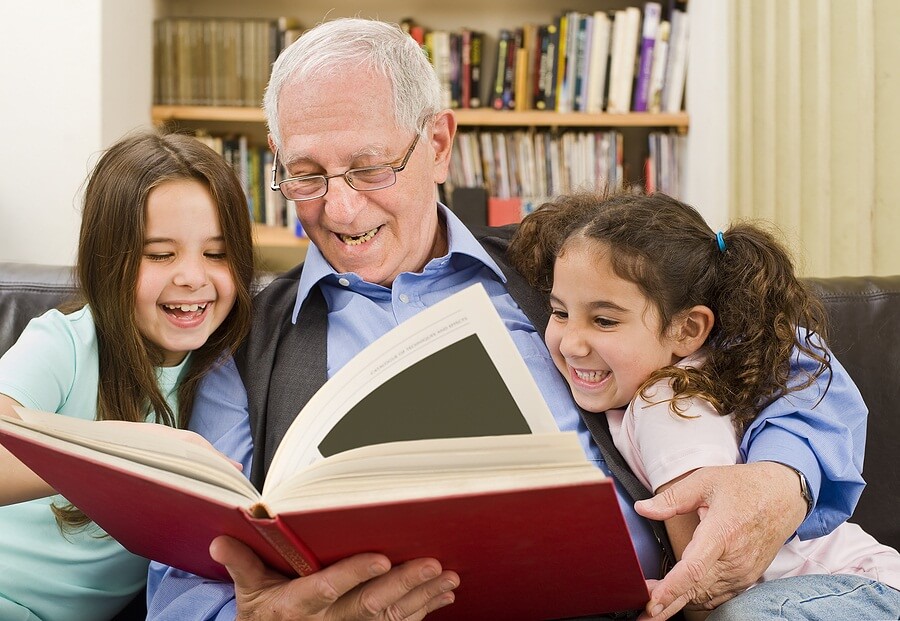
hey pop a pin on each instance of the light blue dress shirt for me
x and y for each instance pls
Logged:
(360, 312)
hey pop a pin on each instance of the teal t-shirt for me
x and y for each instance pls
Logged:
(44, 574)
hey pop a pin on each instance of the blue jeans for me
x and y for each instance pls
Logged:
(814, 597)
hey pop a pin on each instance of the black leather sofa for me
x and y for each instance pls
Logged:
(865, 337)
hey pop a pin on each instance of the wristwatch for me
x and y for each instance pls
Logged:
(804, 490)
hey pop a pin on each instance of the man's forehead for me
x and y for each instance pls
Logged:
(316, 149)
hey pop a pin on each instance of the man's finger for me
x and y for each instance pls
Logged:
(242, 564)
(685, 496)
(691, 573)
(408, 591)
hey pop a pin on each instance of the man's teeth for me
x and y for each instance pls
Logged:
(186, 308)
(355, 240)
(591, 376)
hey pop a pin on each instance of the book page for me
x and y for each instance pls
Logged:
(436, 468)
(151, 445)
(450, 371)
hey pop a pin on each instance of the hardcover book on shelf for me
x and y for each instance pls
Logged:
(544, 67)
(658, 69)
(652, 14)
(676, 67)
(465, 68)
(373, 463)
(561, 64)
(476, 60)
(597, 64)
(504, 41)
(626, 29)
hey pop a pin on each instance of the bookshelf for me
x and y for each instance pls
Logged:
(489, 18)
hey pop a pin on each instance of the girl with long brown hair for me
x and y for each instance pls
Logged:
(165, 261)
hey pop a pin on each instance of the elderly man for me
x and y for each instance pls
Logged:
(355, 118)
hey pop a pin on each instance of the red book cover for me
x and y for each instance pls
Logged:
(540, 553)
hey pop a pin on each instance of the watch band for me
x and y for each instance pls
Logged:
(805, 494)
(804, 490)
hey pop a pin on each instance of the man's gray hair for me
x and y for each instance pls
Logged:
(336, 46)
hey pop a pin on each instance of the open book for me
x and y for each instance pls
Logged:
(509, 502)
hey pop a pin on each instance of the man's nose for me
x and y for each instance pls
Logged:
(343, 203)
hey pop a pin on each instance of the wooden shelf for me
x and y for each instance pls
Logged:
(161, 114)
(478, 117)
(277, 237)
(277, 248)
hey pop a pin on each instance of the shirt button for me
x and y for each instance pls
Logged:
(344, 282)
(404, 298)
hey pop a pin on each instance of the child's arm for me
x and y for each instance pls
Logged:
(680, 529)
(17, 482)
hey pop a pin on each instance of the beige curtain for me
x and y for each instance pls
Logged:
(816, 135)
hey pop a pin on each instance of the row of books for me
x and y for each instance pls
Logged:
(547, 163)
(217, 61)
(615, 61)
(618, 61)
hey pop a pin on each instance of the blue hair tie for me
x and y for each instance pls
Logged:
(720, 239)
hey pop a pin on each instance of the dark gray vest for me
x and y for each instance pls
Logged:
(283, 364)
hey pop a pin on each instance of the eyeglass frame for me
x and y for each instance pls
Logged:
(396, 169)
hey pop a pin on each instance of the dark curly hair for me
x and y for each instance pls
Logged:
(666, 248)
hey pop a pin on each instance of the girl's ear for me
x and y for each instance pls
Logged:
(691, 329)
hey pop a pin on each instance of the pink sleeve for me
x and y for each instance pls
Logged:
(668, 446)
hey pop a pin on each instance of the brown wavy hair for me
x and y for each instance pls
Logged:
(666, 248)
(110, 250)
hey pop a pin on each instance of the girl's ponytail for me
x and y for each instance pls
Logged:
(762, 312)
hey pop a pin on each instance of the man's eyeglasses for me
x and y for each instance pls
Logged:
(365, 179)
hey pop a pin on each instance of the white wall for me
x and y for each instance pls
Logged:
(75, 76)
(707, 166)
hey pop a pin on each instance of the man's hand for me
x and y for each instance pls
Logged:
(360, 587)
(747, 512)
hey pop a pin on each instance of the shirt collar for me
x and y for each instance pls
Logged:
(460, 241)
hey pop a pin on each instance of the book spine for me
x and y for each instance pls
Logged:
(502, 44)
(673, 89)
(599, 58)
(560, 67)
(652, 14)
(658, 70)
(509, 74)
(553, 56)
(476, 68)
(465, 60)
(284, 541)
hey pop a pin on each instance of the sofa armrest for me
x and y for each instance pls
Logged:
(864, 335)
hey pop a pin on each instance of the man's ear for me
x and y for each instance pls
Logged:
(691, 329)
(443, 129)
(271, 141)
